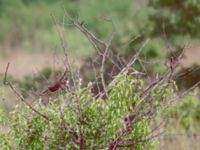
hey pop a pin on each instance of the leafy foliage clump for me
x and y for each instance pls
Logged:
(80, 121)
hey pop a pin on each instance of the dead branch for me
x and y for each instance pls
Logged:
(5, 75)
(185, 73)
(103, 66)
(91, 37)
(8, 83)
(128, 66)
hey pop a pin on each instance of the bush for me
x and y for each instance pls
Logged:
(78, 120)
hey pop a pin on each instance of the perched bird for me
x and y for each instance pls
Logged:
(62, 84)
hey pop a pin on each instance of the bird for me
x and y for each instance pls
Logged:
(62, 83)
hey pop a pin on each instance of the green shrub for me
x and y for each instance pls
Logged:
(78, 117)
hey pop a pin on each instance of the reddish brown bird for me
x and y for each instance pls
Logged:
(57, 86)
(61, 84)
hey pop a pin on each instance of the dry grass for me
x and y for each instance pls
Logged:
(26, 64)
(182, 142)
(29, 63)
(192, 56)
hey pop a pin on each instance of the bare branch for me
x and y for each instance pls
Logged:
(6, 82)
(82, 28)
(152, 86)
(103, 66)
(60, 33)
(128, 66)
(190, 89)
(6, 72)
(91, 37)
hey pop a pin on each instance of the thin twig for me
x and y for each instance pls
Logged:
(91, 37)
(6, 72)
(189, 90)
(103, 66)
(66, 62)
(90, 34)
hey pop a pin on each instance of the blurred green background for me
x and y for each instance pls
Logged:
(28, 24)
(29, 39)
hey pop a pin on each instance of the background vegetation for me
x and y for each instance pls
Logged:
(28, 26)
